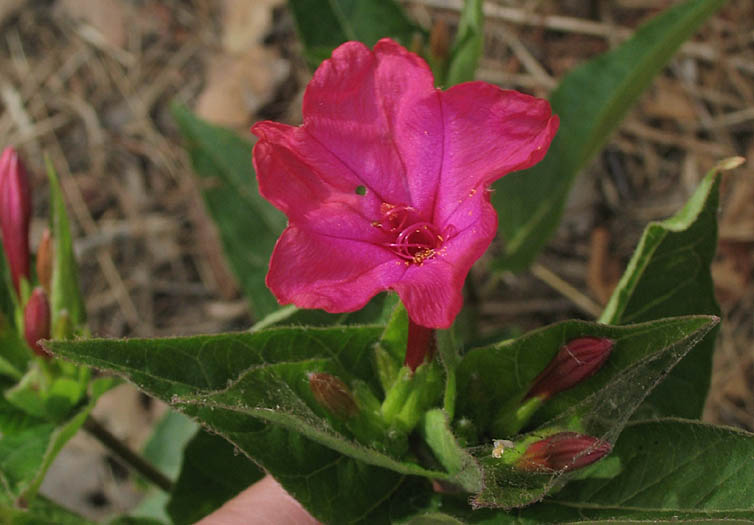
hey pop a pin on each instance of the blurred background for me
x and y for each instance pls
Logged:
(90, 83)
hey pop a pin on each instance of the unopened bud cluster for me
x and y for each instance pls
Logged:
(15, 217)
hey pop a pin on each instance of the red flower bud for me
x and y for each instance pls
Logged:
(333, 394)
(565, 451)
(15, 213)
(37, 321)
(575, 361)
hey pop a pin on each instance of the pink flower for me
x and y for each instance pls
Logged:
(385, 184)
(15, 214)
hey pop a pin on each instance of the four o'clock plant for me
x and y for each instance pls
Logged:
(386, 183)
(354, 389)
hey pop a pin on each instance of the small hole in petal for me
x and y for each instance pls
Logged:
(361, 190)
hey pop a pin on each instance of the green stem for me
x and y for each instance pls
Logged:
(513, 418)
(135, 461)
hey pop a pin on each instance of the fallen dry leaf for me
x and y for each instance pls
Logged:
(238, 85)
(668, 100)
(245, 23)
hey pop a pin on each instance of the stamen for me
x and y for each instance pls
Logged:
(395, 217)
(417, 240)
(416, 243)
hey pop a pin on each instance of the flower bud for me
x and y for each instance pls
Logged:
(15, 214)
(37, 320)
(333, 394)
(44, 260)
(575, 361)
(564, 451)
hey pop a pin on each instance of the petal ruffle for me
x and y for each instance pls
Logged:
(489, 132)
(433, 291)
(316, 271)
(378, 112)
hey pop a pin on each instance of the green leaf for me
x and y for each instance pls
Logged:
(50, 396)
(13, 419)
(642, 355)
(322, 26)
(315, 475)
(394, 336)
(659, 471)
(164, 449)
(591, 101)
(468, 44)
(14, 355)
(66, 292)
(7, 295)
(668, 275)
(26, 455)
(667, 470)
(7, 303)
(671, 465)
(462, 467)
(489, 377)
(184, 371)
(21, 455)
(213, 472)
(447, 351)
(248, 225)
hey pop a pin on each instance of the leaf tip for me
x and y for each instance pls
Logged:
(730, 163)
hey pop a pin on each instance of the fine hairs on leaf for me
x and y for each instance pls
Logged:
(601, 412)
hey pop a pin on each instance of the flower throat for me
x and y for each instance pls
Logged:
(415, 240)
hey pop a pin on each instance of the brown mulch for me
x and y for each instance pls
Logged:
(89, 82)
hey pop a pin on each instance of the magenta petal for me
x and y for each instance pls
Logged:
(413, 110)
(489, 132)
(316, 271)
(311, 186)
(369, 110)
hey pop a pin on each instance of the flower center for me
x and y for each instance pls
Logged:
(415, 240)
